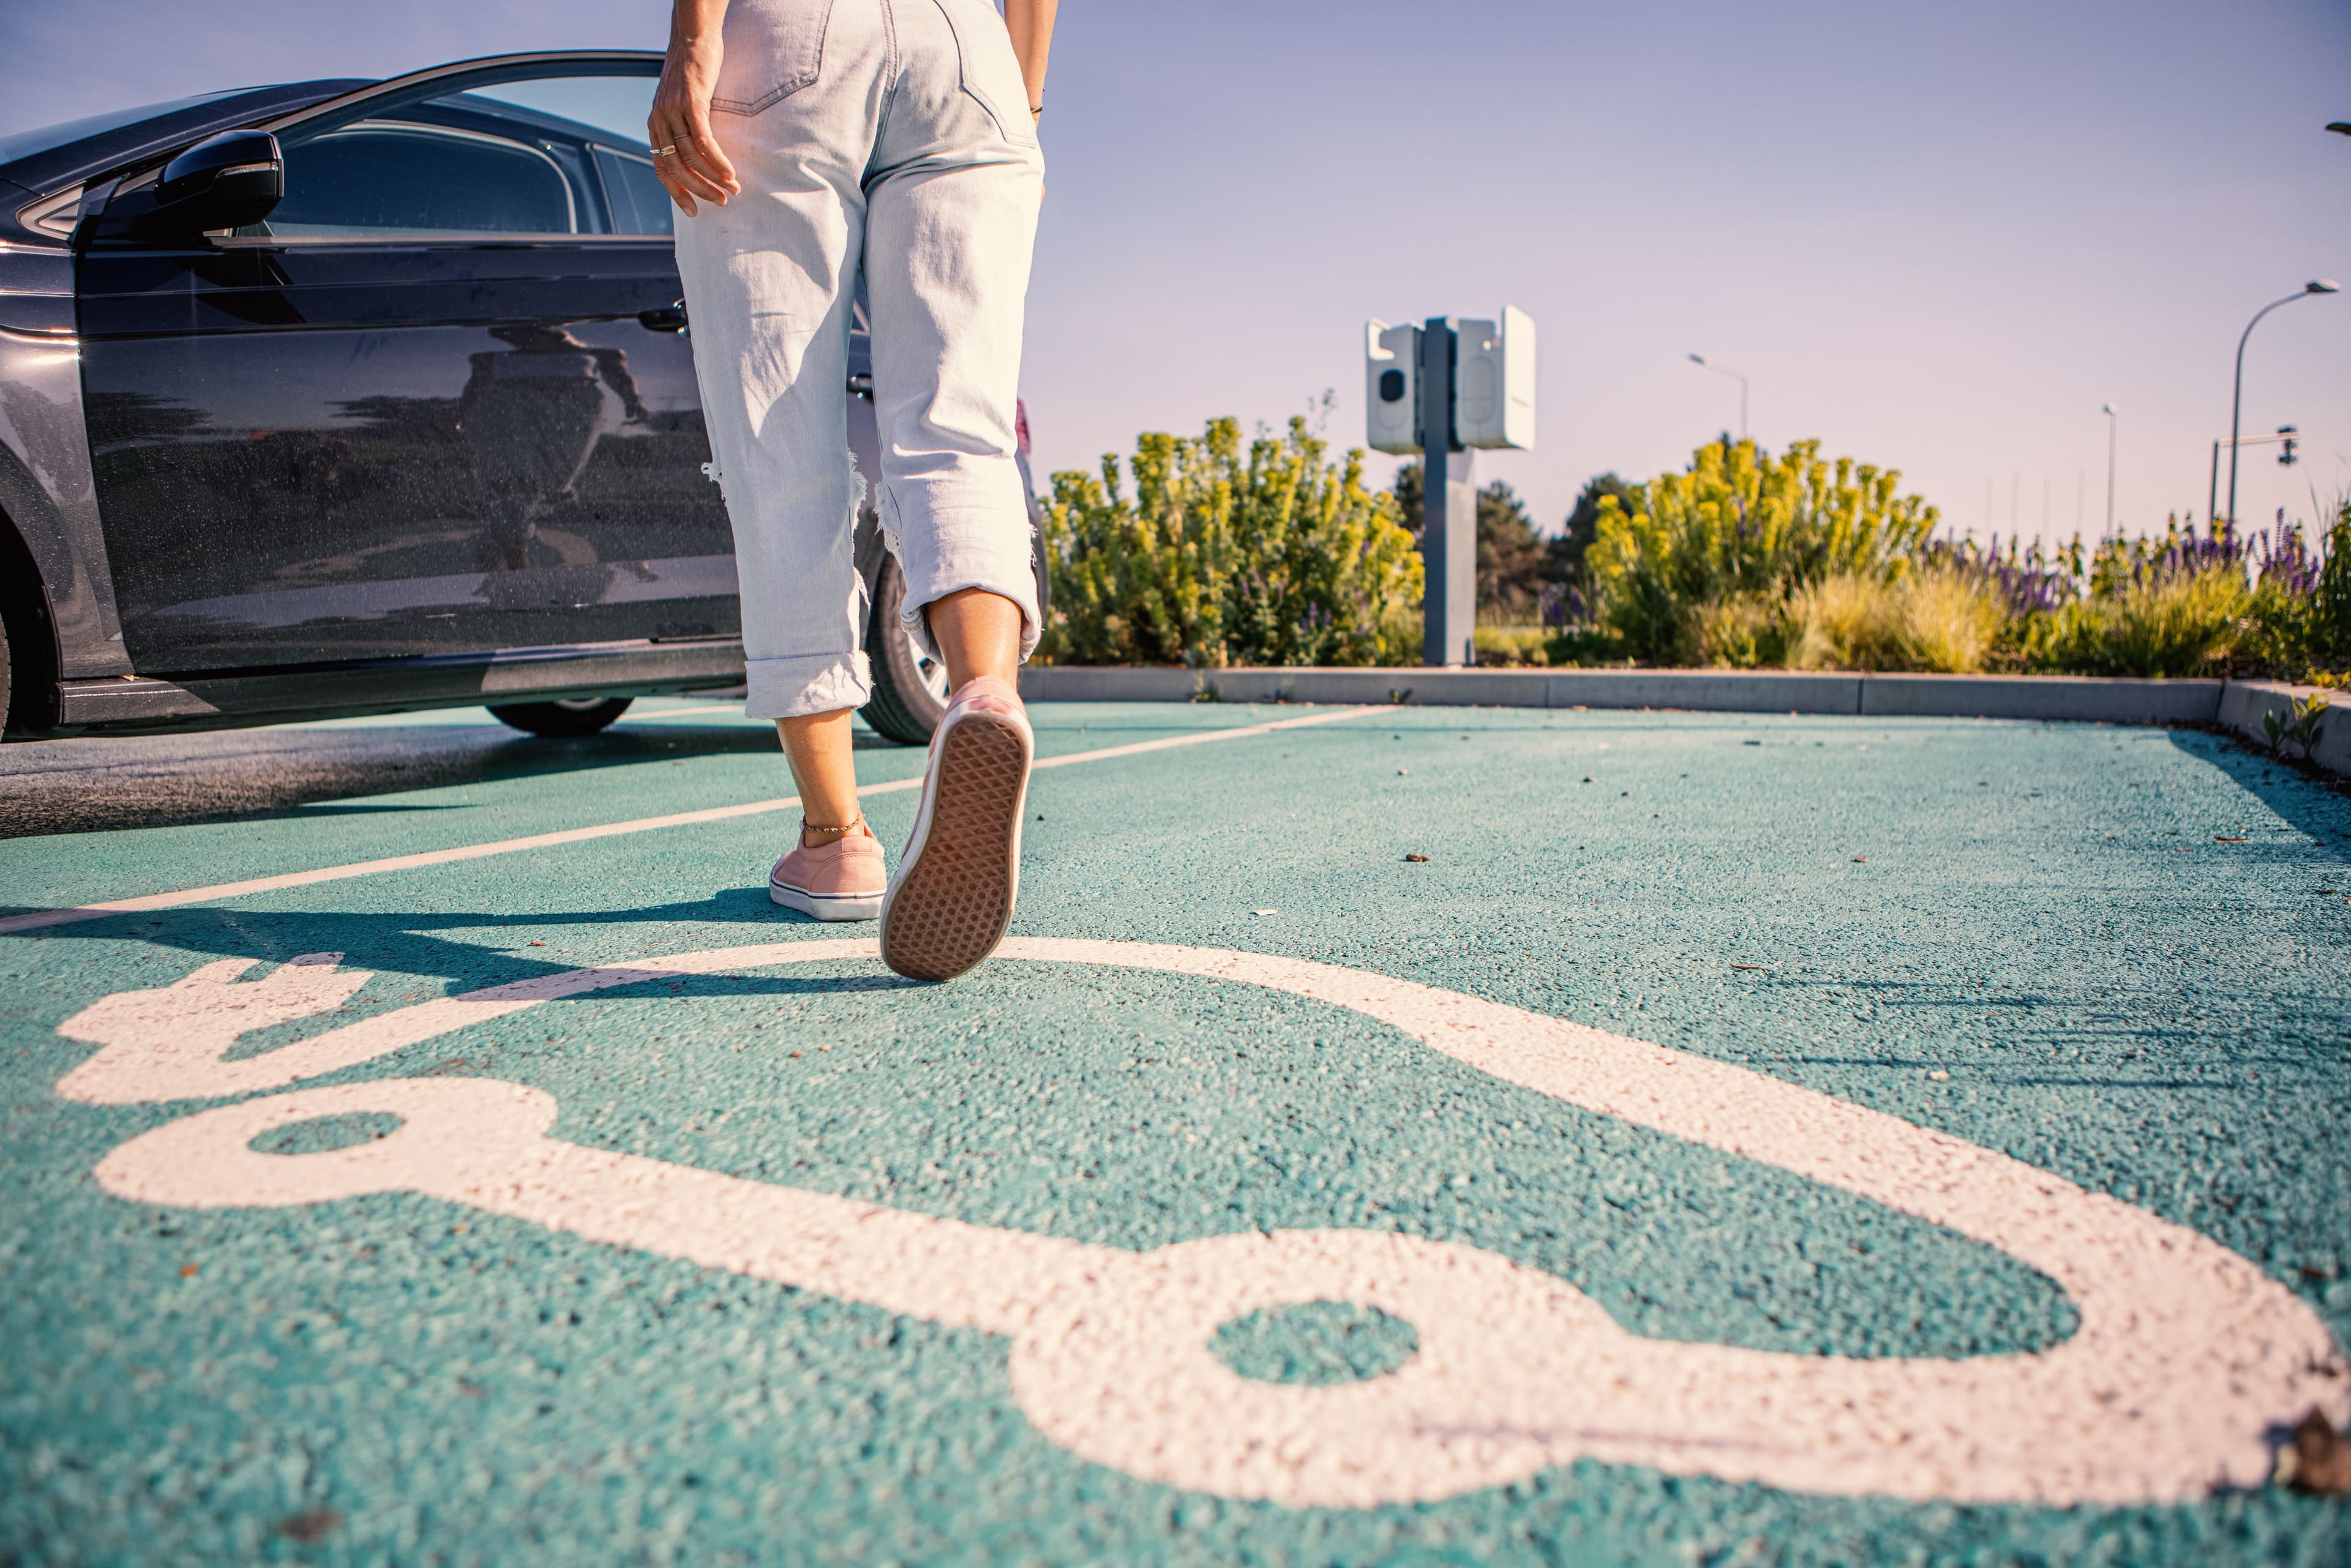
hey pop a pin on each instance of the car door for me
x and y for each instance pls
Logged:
(439, 403)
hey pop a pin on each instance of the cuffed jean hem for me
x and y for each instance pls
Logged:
(804, 684)
(947, 558)
(1015, 583)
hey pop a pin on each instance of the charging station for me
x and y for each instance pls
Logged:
(1443, 389)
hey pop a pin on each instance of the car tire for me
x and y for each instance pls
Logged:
(564, 718)
(28, 681)
(910, 690)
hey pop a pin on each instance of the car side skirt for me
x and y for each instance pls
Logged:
(397, 685)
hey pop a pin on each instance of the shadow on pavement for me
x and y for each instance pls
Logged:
(2311, 801)
(106, 783)
(404, 943)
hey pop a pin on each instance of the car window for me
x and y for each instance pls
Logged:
(384, 177)
(633, 192)
(535, 156)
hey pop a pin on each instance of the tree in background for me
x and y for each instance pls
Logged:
(1563, 557)
(1510, 554)
(1407, 491)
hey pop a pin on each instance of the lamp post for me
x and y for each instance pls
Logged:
(2111, 422)
(2237, 399)
(1740, 376)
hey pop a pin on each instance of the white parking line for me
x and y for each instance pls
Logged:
(38, 919)
(634, 714)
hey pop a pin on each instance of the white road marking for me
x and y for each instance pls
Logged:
(40, 919)
(704, 709)
(2186, 1358)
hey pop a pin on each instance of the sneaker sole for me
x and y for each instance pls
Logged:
(825, 906)
(951, 899)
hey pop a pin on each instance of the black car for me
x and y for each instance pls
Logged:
(346, 397)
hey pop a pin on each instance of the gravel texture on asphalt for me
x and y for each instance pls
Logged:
(2122, 956)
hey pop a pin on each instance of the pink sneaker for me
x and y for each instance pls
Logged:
(949, 905)
(840, 881)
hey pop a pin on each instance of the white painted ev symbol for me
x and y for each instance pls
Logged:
(2186, 1358)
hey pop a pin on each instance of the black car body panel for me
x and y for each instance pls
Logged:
(47, 500)
(329, 465)
(62, 597)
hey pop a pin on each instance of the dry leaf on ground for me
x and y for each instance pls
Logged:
(2318, 1461)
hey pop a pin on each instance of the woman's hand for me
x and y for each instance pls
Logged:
(685, 154)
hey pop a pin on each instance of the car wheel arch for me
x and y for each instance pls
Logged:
(28, 679)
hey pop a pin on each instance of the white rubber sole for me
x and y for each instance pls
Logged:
(826, 906)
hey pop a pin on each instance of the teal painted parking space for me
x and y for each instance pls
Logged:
(2116, 956)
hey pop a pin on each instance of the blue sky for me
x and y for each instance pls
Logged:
(1936, 238)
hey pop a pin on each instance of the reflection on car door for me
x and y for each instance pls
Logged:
(438, 403)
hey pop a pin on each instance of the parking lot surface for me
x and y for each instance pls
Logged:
(1738, 1140)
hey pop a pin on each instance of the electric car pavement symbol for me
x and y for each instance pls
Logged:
(2186, 1361)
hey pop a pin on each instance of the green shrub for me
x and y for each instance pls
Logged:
(1512, 645)
(2158, 623)
(1279, 558)
(1939, 617)
(1741, 524)
(2299, 623)
(2282, 630)
(1951, 619)
(2329, 630)
(1745, 630)
(1847, 621)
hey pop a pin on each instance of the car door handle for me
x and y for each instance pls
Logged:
(668, 319)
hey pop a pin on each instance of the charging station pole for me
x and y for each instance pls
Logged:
(1441, 390)
(1448, 507)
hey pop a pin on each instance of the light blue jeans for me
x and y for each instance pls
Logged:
(895, 135)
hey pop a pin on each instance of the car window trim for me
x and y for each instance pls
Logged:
(450, 240)
(418, 127)
(462, 74)
(607, 148)
(487, 69)
(57, 215)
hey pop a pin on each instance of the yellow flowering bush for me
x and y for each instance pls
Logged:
(1697, 565)
(1271, 557)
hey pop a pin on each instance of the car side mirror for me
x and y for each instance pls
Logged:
(222, 183)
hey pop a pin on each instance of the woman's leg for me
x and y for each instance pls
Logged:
(770, 278)
(951, 212)
(977, 633)
(819, 747)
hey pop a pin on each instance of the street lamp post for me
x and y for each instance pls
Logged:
(2111, 422)
(1740, 376)
(2237, 399)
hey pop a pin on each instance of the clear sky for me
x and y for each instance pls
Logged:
(1936, 236)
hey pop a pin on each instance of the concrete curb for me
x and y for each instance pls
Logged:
(2113, 701)
(2237, 705)
(2244, 702)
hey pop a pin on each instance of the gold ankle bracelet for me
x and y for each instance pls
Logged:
(838, 833)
